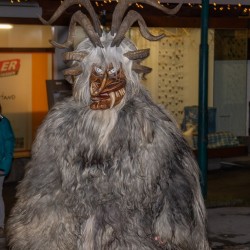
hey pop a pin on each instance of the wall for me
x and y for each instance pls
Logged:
(60, 34)
(28, 107)
(173, 81)
(248, 100)
(230, 96)
(26, 36)
(230, 80)
(29, 43)
(184, 90)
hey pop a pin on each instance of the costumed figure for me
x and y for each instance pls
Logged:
(109, 168)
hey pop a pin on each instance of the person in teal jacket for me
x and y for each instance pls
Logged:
(7, 142)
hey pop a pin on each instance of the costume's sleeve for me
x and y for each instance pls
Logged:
(9, 141)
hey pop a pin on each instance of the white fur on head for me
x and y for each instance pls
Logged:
(104, 57)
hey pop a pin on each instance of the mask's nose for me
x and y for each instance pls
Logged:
(96, 87)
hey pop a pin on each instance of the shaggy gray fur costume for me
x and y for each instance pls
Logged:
(115, 179)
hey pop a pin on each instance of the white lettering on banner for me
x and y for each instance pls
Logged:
(4, 66)
(9, 67)
(12, 65)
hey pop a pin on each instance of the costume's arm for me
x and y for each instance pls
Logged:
(181, 216)
(179, 213)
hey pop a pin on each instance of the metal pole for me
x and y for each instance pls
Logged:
(203, 97)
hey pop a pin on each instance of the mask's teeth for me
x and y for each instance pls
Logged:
(112, 97)
(121, 93)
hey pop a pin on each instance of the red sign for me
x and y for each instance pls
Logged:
(9, 67)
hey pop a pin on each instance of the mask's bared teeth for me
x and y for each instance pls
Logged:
(117, 94)
(112, 97)
(121, 93)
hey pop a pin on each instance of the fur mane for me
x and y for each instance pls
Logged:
(106, 55)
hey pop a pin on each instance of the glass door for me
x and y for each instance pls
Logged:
(230, 80)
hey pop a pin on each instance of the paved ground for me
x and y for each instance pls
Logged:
(2, 244)
(229, 228)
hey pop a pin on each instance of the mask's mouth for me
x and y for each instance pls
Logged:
(107, 100)
(106, 90)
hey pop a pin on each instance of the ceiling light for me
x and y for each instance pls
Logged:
(6, 26)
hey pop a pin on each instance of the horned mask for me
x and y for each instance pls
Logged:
(107, 81)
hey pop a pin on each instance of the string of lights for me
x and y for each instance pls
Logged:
(18, 1)
(214, 6)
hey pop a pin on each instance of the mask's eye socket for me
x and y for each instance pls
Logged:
(112, 71)
(99, 71)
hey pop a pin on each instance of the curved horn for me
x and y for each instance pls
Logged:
(128, 21)
(83, 20)
(74, 71)
(66, 4)
(74, 56)
(71, 73)
(137, 54)
(122, 6)
(140, 69)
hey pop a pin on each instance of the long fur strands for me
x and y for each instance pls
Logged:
(115, 179)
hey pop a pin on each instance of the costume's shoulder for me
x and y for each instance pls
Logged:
(143, 104)
(64, 111)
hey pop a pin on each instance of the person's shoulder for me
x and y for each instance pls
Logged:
(4, 120)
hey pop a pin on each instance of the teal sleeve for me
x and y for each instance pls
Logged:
(8, 141)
